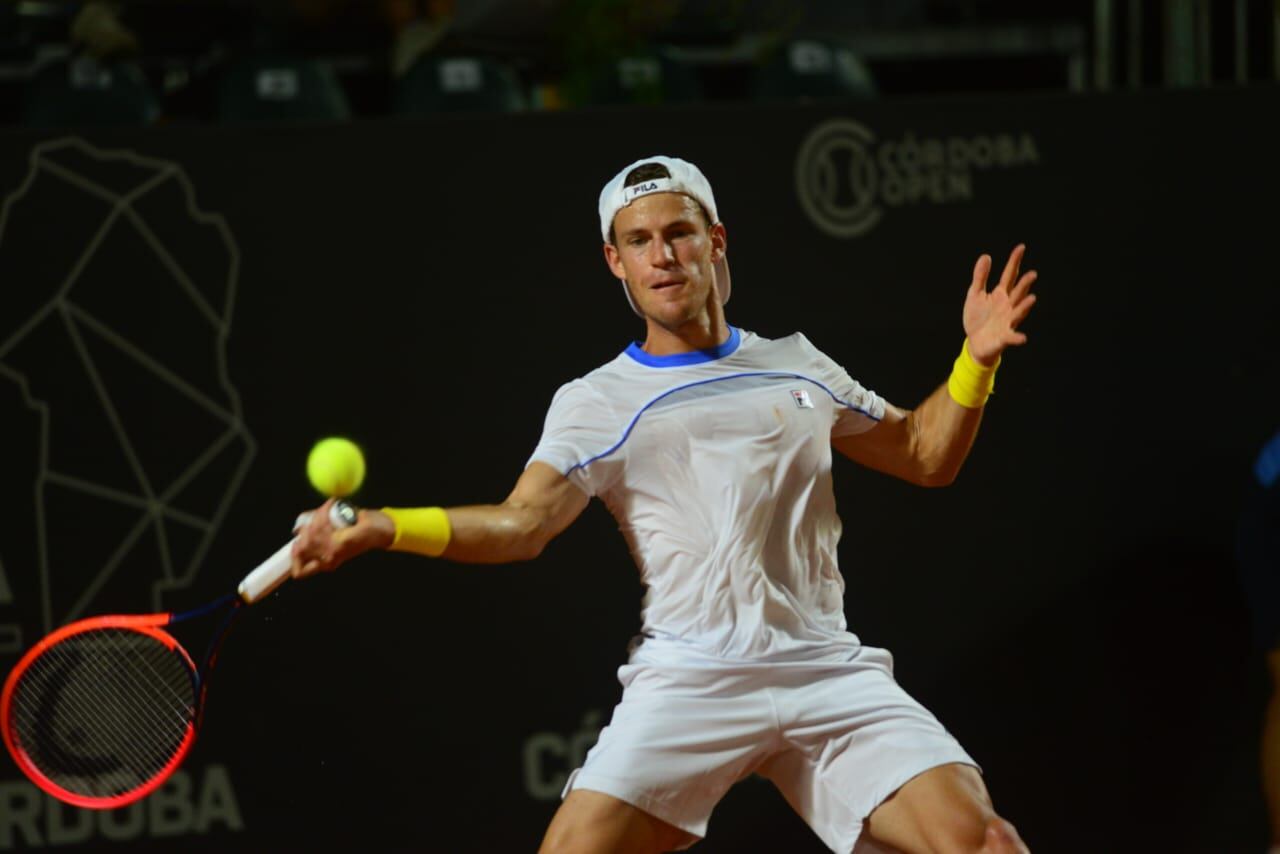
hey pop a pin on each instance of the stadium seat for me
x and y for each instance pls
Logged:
(645, 78)
(84, 92)
(279, 88)
(813, 68)
(444, 84)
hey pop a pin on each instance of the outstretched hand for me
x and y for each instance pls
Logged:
(321, 548)
(991, 318)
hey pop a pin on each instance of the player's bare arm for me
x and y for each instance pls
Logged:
(542, 504)
(925, 446)
(928, 445)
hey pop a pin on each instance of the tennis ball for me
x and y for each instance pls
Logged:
(335, 467)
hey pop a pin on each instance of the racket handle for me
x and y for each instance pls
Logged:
(273, 571)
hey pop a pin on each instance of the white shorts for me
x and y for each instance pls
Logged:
(836, 738)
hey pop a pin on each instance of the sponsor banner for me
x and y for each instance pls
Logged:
(194, 800)
(846, 178)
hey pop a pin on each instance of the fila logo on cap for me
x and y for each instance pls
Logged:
(635, 191)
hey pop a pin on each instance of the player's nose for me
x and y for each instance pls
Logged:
(661, 253)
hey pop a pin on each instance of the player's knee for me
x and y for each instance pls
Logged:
(571, 837)
(1001, 837)
(594, 823)
(975, 834)
(553, 840)
(571, 829)
(567, 840)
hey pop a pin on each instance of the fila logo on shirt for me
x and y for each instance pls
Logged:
(801, 397)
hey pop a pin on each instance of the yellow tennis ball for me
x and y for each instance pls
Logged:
(335, 467)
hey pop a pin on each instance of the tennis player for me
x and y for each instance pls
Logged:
(711, 445)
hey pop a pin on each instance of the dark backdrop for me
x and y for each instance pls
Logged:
(1068, 609)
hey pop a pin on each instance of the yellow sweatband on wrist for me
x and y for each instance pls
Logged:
(971, 383)
(421, 530)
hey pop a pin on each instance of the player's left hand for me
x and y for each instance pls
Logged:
(991, 318)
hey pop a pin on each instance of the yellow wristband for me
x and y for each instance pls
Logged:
(971, 383)
(421, 530)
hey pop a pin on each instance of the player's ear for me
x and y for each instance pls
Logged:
(614, 260)
(719, 241)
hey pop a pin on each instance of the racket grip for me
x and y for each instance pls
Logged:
(273, 571)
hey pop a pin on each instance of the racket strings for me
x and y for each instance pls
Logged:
(103, 711)
(123, 691)
(82, 722)
(86, 719)
(177, 698)
(121, 694)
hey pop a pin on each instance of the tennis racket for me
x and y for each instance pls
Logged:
(100, 712)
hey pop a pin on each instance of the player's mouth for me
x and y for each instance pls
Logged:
(659, 286)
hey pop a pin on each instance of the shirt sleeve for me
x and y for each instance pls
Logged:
(578, 438)
(857, 409)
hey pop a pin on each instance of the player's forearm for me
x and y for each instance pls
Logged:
(543, 503)
(496, 533)
(484, 533)
(942, 433)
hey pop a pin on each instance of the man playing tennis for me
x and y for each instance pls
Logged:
(712, 447)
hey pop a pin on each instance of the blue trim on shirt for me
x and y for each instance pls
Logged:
(695, 357)
(627, 433)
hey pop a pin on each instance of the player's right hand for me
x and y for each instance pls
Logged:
(320, 547)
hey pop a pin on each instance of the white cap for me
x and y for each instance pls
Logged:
(685, 178)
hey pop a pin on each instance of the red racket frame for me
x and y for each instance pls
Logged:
(146, 624)
(341, 515)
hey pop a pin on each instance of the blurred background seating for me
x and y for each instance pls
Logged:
(650, 76)
(279, 88)
(458, 84)
(810, 68)
(281, 60)
(83, 91)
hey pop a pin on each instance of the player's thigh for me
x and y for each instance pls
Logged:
(934, 810)
(591, 821)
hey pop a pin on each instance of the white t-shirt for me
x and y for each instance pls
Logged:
(717, 466)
